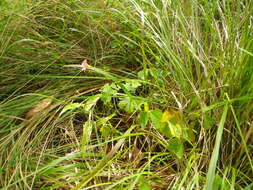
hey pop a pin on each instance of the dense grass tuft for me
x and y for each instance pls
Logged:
(166, 102)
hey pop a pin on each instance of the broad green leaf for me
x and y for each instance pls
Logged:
(156, 117)
(108, 91)
(130, 105)
(176, 146)
(175, 129)
(144, 184)
(143, 119)
(168, 115)
(132, 85)
(175, 124)
(91, 102)
(127, 104)
(106, 130)
(106, 127)
(71, 106)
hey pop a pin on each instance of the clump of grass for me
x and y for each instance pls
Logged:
(166, 103)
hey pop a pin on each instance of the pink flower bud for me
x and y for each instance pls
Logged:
(85, 65)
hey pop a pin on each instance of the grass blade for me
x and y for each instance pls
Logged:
(215, 154)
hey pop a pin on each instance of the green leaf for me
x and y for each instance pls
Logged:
(191, 135)
(132, 85)
(91, 102)
(176, 146)
(108, 91)
(208, 121)
(105, 130)
(175, 123)
(157, 73)
(143, 119)
(175, 128)
(71, 106)
(216, 151)
(162, 127)
(144, 184)
(142, 74)
(87, 129)
(104, 120)
(130, 105)
(3, 3)
(217, 184)
(156, 116)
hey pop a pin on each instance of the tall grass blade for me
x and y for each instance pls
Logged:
(215, 154)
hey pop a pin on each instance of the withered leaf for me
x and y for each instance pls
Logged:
(39, 107)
